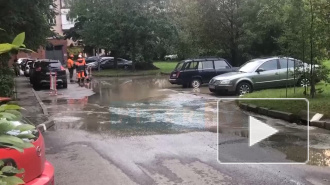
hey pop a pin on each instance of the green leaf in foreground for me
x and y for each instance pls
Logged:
(7, 115)
(19, 39)
(25, 127)
(13, 180)
(11, 107)
(5, 126)
(11, 169)
(4, 48)
(2, 145)
(26, 136)
(10, 139)
(16, 113)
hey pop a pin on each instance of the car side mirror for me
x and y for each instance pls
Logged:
(260, 70)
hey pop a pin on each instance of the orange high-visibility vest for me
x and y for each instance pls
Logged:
(70, 63)
(80, 65)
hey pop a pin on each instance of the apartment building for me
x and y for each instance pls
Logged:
(57, 46)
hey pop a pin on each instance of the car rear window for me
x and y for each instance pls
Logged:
(221, 64)
(50, 64)
(179, 66)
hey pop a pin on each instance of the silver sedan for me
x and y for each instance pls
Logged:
(261, 73)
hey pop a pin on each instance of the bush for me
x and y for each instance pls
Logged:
(6, 78)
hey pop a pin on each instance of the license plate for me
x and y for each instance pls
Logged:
(48, 73)
(211, 86)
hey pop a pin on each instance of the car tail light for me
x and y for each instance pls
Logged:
(38, 69)
(178, 74)
(62, 68)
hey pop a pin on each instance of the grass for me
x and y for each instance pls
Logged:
(319, 104)
(164, 68)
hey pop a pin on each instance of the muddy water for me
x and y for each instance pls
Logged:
(148, 106)
(136, 106)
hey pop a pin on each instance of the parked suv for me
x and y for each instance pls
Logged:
(261, 73)
(41, 73)
(195, 72)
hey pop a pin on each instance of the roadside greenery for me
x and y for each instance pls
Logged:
(146, 30)
(164, 67)
(319, 103)
(6, 74)
(122, 73)
(34, 17)
(13, 136)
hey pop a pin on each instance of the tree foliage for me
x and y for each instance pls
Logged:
(31, 17)
(127, 28)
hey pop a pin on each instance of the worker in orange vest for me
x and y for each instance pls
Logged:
(70, 65)
(80, 70)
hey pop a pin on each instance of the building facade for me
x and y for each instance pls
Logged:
(57, 46)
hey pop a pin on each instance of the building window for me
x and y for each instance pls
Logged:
(52, 21)
(69, 19)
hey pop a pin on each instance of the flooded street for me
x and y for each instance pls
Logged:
(143, 130)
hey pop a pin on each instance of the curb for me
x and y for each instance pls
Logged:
(47, 124)
(42, 105)
(287, 116)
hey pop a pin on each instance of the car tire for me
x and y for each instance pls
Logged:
(244, 88)
(195, 83)
(302, 82)
(36, 86)
(65, 85)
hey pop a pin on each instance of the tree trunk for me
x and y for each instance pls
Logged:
(312, 83)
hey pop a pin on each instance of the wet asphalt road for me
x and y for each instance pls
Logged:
(145, 131)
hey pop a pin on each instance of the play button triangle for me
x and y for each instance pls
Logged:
(259, 131)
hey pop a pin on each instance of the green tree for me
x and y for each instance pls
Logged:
(126, 28)
(31, 17)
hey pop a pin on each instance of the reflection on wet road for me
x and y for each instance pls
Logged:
(150, 106)
(139, 106)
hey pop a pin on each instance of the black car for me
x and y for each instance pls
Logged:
(195, 72)
(31, 70)
(41, 73)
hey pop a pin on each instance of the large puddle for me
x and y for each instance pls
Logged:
(145, 106)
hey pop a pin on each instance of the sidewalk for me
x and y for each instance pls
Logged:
(27, 99)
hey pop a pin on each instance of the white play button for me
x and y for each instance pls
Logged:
(259, 131)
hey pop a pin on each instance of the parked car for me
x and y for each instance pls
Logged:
(195, 72)
(109, 63)
(20, 60)
(91, 59)
(28, 65)
(171, 57)
(31, 70)
(261, 73)
(41, 73)
(37, 170)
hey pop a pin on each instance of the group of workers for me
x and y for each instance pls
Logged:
(80, 66)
